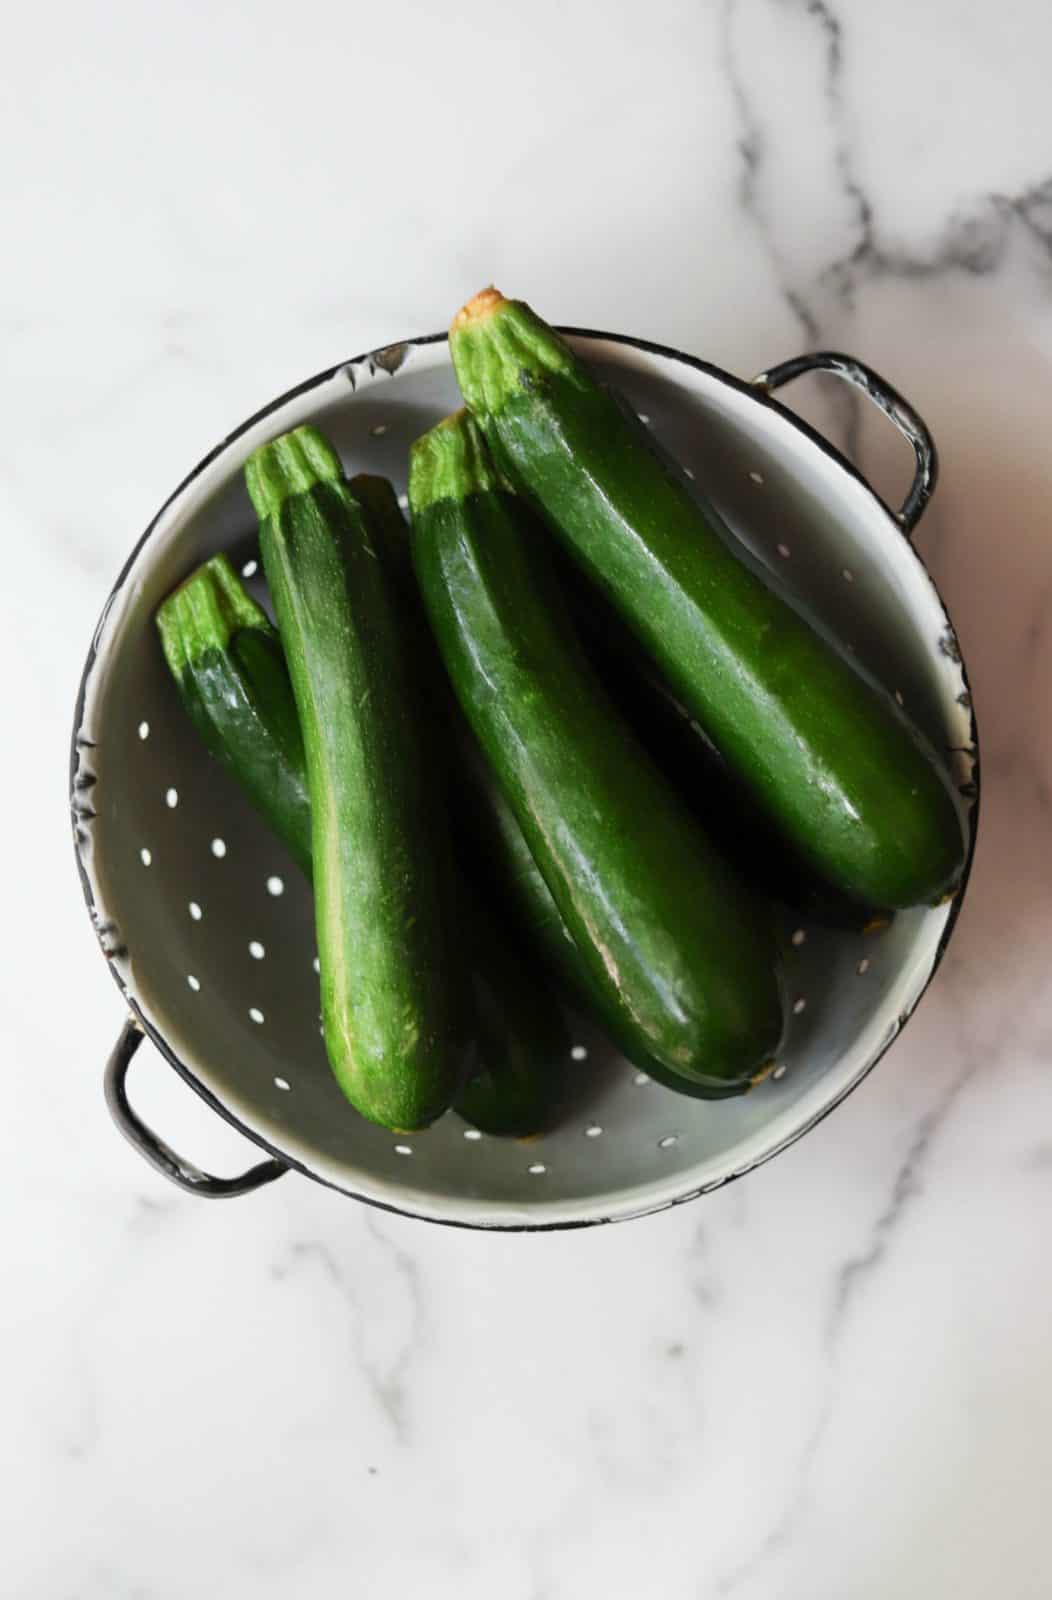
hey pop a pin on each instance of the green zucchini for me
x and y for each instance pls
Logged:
(522, 1045)
(214, 636)
(522, 1037)
(390, 993)
(229, 668)
(683, 954)
(825, 753)
(489, 837)
(717, 798)
(497, 841)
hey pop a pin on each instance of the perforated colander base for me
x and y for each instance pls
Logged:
(208, 924)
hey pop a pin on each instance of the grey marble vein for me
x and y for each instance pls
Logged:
(849, 1281)
(753, 148)
(906, 1186)
(974, 239)
(82, 1431)
(703, 1286)
(292, 1396)
(392, 1386)
(385, 1373)
(803, 293)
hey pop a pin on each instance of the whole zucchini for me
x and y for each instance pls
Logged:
(826, 754)
(229, 668)
(667, 930)
(490, 839)
(213, 635)
(389, 988)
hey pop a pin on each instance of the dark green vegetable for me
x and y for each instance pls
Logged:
(521, 1036)
(227, 661)
(390, 994)
(824, 753)
(497, 841)
(378, 500)
(490, 838)
(663, 924)
(678, 745)
(523, 1042)
(229, 667)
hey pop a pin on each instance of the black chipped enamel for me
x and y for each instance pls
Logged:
(391, 357)
(143, 1026)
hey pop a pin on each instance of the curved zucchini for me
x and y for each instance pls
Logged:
(663, 924)
(229, 668)
(389, 991)
(825, 753)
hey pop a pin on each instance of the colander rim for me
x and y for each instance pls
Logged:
(390, 357)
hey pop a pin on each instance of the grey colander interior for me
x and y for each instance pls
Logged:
(210, 924)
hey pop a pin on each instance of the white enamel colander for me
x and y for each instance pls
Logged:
(207, 925)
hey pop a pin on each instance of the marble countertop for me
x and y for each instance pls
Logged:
(828, 1382)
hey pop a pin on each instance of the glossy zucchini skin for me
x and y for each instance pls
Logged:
(683, 953)
(229, 668)
(825, 753)
(390, 990)
(516, 884)
(523, 1043)
(522, 1040)
(716, 797)
(515, 1090)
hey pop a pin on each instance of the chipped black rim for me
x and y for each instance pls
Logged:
(389, 358)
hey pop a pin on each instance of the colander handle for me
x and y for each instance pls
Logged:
(154, 1150)
(909, 422)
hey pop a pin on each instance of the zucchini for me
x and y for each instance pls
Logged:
(498, 843)
(389, 991)
(214, 636)
(679, 746)
(521, 1034)
(228, 666)
(675, 941)
(825, 753)
(488, 837)
(522, 1046)
(520, 1077)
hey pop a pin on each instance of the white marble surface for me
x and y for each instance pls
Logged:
(829, 1382)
